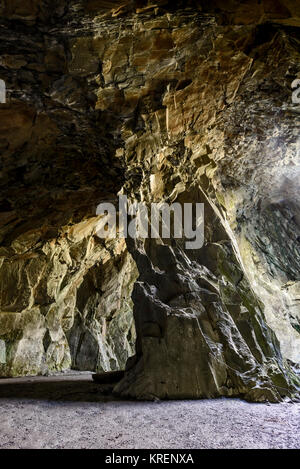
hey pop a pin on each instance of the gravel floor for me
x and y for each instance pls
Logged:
(69, 412)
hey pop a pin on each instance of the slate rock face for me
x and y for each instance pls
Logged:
(201, 330)
(103, 333)
(66, 302)
(175, 102)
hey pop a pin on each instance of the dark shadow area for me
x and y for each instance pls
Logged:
(68, 388)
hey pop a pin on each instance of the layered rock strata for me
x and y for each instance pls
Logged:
(175, 102)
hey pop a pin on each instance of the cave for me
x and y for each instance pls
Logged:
(181, 103)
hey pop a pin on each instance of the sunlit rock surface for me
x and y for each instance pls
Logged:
(66, 301)
(174, 101)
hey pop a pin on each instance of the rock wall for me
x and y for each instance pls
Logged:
(65, 302)
(103, 335)
(177, 101)
(56, 166)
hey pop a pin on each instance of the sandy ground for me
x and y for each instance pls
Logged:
(69, 411)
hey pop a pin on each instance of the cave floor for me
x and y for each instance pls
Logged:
(71, 411)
